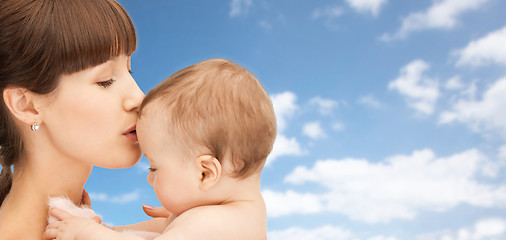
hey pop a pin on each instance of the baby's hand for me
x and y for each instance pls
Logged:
(65, 204)
(69, 226)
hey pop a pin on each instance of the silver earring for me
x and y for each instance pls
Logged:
(35, 127)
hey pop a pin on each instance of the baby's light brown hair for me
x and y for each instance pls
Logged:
(218, 107)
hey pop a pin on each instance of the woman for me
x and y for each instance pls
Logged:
(69, 103)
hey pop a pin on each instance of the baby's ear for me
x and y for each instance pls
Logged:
(210, 170)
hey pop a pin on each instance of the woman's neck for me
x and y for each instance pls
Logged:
(35, 179)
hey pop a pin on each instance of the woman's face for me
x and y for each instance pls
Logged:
(92, 113)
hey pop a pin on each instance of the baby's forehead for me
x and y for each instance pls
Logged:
(150, 117)
(152, 109)
(155, 119)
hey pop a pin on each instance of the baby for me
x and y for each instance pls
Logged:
(206, 131)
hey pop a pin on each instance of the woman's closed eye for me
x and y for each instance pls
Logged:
(106, 84)
(152, 169)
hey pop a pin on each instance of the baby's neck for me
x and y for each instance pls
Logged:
(230, 189)
(236, 201)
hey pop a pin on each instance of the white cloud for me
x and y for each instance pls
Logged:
(485, 115)
(493, 227)
(421, 92)
(502, 152)
(443, 14)
(322, 233)
(327, 232)
(454, 83)
(121, 199)
(239, 7)
(284, 203)
(369, 100)
(367, 6)
(284, 146)
(489, 49)
(485, 229)
(325, 106)
(267, 26)
(470, 91)
(397, 188)
(328, 14)
(285, 107)
(313, 130)
(338, 126)
(382, 238)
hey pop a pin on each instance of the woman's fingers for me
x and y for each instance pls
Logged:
(156, 211)
(59, 214)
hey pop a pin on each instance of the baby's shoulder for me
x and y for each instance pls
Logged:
(210, 215)
(229, 221)
(235, 211)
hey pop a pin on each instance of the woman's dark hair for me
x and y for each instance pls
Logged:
(42, 39)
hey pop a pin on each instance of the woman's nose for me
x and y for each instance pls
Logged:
(134, 97)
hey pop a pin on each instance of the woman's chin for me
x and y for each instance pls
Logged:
(120, 163)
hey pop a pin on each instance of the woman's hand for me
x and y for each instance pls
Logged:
(156, 212)
(70, 227)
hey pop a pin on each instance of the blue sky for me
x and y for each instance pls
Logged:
(391, 114)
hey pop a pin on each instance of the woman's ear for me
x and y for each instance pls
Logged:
(20, 103)
(210, 170)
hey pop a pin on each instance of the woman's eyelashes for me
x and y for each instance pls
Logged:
(152, 169)
(106, 84)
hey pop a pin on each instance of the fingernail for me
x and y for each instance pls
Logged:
(148, 207)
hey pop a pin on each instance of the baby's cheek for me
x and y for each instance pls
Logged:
(160, 194)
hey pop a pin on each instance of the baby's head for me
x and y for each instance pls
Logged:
(208, 120)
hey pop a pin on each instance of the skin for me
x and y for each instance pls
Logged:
(155, 212)
(198, 190)
(82, 124)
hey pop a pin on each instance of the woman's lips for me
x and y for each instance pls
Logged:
(131, 134)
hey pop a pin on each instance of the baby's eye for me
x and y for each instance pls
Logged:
(152, 169)
(106, 84)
